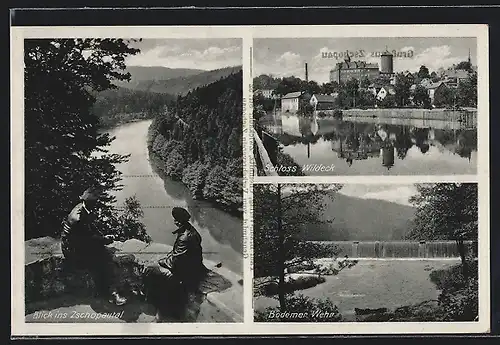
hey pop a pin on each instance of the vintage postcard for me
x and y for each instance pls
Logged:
(366, 105)
(370, 192)
(249, 180)
(366, 252)
(130, 151)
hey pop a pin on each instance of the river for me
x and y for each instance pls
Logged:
(376, 146)
(221, 233)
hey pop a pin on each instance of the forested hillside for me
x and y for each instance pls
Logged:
(141, 73)
(199, 142)
(182, 85)
(357, 219)
(117, 106)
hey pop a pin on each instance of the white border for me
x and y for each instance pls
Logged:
(20, 328)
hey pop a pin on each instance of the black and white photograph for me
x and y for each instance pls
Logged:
(366, 252)
(365, 106)
(133, 180)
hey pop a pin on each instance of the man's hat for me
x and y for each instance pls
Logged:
(91, 194)
(180, 214)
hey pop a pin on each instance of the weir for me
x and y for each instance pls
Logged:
(399, 249)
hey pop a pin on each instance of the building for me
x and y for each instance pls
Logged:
(346, 70)
(266, 93)
(432, 88)
(323, 102)
(290, 101)
(453, 78)
(384, 91)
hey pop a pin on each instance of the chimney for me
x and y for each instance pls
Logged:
(307, 75)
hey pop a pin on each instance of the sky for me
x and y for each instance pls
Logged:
(398, 194)
(197, 53)
(287, 56)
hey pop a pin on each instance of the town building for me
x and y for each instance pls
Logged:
(266, 93)
(346, 70)
(433, 88)
(290, 101)
(384, 91)
(323, 102)
(453, 78)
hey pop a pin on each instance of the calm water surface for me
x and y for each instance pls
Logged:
(221, 232)
(376, 146)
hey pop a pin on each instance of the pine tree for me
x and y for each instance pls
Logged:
(64, 151)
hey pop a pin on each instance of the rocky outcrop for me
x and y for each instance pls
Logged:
(47, 277)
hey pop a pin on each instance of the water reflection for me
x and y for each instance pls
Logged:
(411, 146)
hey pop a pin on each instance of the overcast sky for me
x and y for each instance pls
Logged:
(197, 53)
(286, 56)
(399, 194)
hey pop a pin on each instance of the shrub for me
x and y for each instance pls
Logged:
(458, 300)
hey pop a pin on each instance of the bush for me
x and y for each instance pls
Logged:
(300, 308)
(458, 300)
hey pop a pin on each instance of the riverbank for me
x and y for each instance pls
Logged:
(407, 113)
(221, 232)
(198, 177)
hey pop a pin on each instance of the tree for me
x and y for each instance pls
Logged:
(366, 98)
(402, 89)
(202, 143)
(351, 88)
(434, 77)
(421, 97)
(365, 82)
(289, 84)
(280, 213)
(444, 97)
(464, 65)
(388, 101)
(446, 211)
(64, 150)
(329, 88)
(423, 72)
(467, 91)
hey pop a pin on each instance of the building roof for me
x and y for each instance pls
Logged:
(355, 64)
(390, 89)
(325, 98)
(296, 94)
(434, 85)
(459, 73)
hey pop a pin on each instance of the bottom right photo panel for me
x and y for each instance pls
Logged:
(365, 252)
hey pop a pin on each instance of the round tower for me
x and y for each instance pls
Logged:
(386, 63)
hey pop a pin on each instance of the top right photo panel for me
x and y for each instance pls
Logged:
(365, 106)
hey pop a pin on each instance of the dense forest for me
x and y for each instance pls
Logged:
(119, 105)
(199, 141)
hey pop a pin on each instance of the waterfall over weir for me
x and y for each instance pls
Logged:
(399, 249)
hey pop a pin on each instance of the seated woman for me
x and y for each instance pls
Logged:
(169, 282)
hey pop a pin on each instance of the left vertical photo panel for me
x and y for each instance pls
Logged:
(133, 180)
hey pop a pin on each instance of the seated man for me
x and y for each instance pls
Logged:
(169, 282)
(83, 246)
